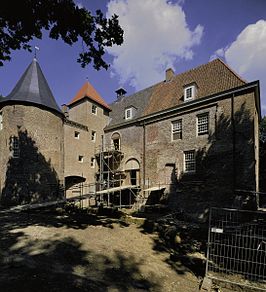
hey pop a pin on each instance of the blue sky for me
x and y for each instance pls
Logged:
(158, 34)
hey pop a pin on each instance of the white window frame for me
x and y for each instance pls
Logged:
(128, 113)
(93, 136)
(177, 129)
(1, 121)
(92, 162)
(76, 135)
(191, 89)
(94, 109)
(80, 158)
(203, 124)
(15, 147)
(190, 161)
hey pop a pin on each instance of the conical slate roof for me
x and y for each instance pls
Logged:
(32, 87)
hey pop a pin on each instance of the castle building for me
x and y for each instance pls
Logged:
(190, 138)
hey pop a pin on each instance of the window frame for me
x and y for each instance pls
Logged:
(94, 109)
(93, 136)
(193, 90)
(188, 162)
(178, 130)
(92, 162)
(76, 135)
(204, 124)
(130, 111)
(15, 147)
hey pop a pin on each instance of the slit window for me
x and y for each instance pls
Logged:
(1, 121)
(80, 158)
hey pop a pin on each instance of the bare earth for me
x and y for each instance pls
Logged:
(53, 251)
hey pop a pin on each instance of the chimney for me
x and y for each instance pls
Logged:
(64, 108)
(120, 92)
(169, 74)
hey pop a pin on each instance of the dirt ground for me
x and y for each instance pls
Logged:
(58, 251)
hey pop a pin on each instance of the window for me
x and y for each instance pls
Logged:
(80, 158)
(128, 114)
(177, 130)
(116, 141)
(92, 162)
(1, 121)
(189, 161)
(93, 136)
(15, 147)
(203, 124)
(189, 92)
(94, 109)
(76, 135)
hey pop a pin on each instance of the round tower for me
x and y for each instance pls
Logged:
(31, 142)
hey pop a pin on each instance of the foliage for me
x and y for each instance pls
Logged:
(63, 19)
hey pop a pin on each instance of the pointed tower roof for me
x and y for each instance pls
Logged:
(88, 91)
(32, 87)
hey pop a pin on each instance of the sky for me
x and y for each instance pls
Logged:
(158, 34)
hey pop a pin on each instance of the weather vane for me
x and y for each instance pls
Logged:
(35, 51)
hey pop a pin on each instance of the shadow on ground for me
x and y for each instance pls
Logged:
(30, 263)
(183, 240)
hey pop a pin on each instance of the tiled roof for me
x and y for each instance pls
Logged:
(87, 90)
(32, 87)
(210, 78)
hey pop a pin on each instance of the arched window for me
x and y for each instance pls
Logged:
(116, 141)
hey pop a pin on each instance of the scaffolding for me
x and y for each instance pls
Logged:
(110, 178)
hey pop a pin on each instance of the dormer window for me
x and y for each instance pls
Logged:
(189, 92)
(129, 113)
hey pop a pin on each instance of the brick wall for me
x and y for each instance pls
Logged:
(34, 175)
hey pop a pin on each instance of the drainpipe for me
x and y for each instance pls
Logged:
(233, 140)
(144, 155)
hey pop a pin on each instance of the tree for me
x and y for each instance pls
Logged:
(63, 19)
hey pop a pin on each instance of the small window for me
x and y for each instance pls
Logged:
(92, 162)
(76, 135)
(203, 124)
(15, 147)
(93, 136)
(177, 130)
(1, 121)
(80, 158)
(189, 161)
(189, 92)
(94, 109)
(128, 114)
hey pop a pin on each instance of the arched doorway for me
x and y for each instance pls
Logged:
(132, 171)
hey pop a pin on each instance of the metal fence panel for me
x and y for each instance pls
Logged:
(237, 247)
